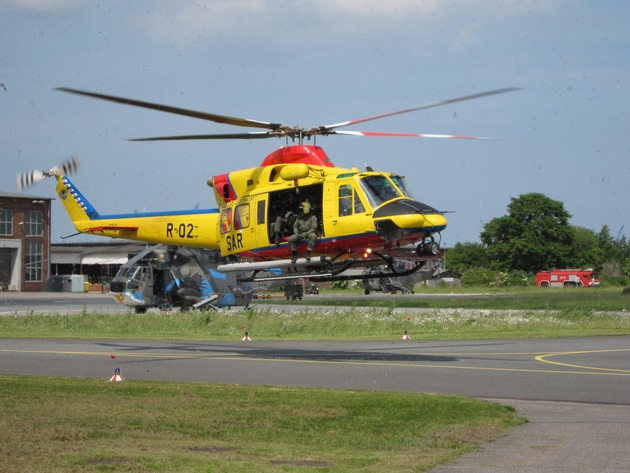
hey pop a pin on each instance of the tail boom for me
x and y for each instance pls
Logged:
(196, 228)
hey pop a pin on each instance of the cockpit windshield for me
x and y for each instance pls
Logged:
(129, 271)
(378, 189)
(402, 185)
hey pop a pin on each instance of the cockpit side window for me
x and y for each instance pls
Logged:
(345, 200)
(358, 205)
(145, 274)
(349, 202)
(378, 190)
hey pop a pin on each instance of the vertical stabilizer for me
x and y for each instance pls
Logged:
(77, 206)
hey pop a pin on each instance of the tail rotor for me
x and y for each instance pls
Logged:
(29, 178)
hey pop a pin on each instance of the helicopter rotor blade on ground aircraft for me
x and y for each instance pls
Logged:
(279, 130)
(27, 179)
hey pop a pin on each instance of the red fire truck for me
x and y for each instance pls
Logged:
(567, 278)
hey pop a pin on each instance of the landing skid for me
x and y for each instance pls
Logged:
(302, 268)
(324, 269)
(392, 273)
(207, 303)
(301, 264)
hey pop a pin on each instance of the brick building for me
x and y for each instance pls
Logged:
(24, 242)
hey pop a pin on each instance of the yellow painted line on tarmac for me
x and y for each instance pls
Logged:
(436, 366)
(591, 371)
(125, 355)
(543, 359)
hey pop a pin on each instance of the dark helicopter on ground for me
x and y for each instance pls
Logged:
(179, 278)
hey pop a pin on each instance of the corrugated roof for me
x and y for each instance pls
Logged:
(15, 195)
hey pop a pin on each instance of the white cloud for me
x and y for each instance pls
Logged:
(45, 5)
(320, 24)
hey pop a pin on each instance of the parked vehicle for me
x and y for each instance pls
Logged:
(294, 291)
(567, 278)
(312, 290)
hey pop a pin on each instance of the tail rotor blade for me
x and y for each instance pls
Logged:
(70, 166)
(29, 178)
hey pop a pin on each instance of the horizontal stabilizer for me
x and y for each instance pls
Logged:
(110, 228)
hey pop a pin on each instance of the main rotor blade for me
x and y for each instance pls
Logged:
(224, 136)
(425, 106)
(409, 135)
(176, 110)
(278, 129)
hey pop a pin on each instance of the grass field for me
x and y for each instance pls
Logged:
(77, 425)
(525, 313)
(583, 300)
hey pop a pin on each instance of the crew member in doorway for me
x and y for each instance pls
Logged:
(284, 219)
(304, 228)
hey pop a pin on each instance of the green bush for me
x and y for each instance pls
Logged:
(339, 285)
(519, 279)
(479, 277)
(493, 278)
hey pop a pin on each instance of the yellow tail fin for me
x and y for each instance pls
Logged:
(78, 208)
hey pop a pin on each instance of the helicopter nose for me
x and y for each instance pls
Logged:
(403, 220)
(429, 223)
(412, 215)
(436, 221)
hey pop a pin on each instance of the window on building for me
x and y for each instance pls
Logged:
(6, 222)
(33, 261)
(34, 224)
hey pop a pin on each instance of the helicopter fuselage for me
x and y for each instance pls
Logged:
(355, 210)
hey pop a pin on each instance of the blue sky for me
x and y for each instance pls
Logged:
(565, 134)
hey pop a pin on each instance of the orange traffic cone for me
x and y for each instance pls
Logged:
(117, 376)
(246, 337)
(406, 336)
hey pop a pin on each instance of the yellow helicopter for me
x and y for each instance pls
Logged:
(353, 215)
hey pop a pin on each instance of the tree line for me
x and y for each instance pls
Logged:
(534, 236)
